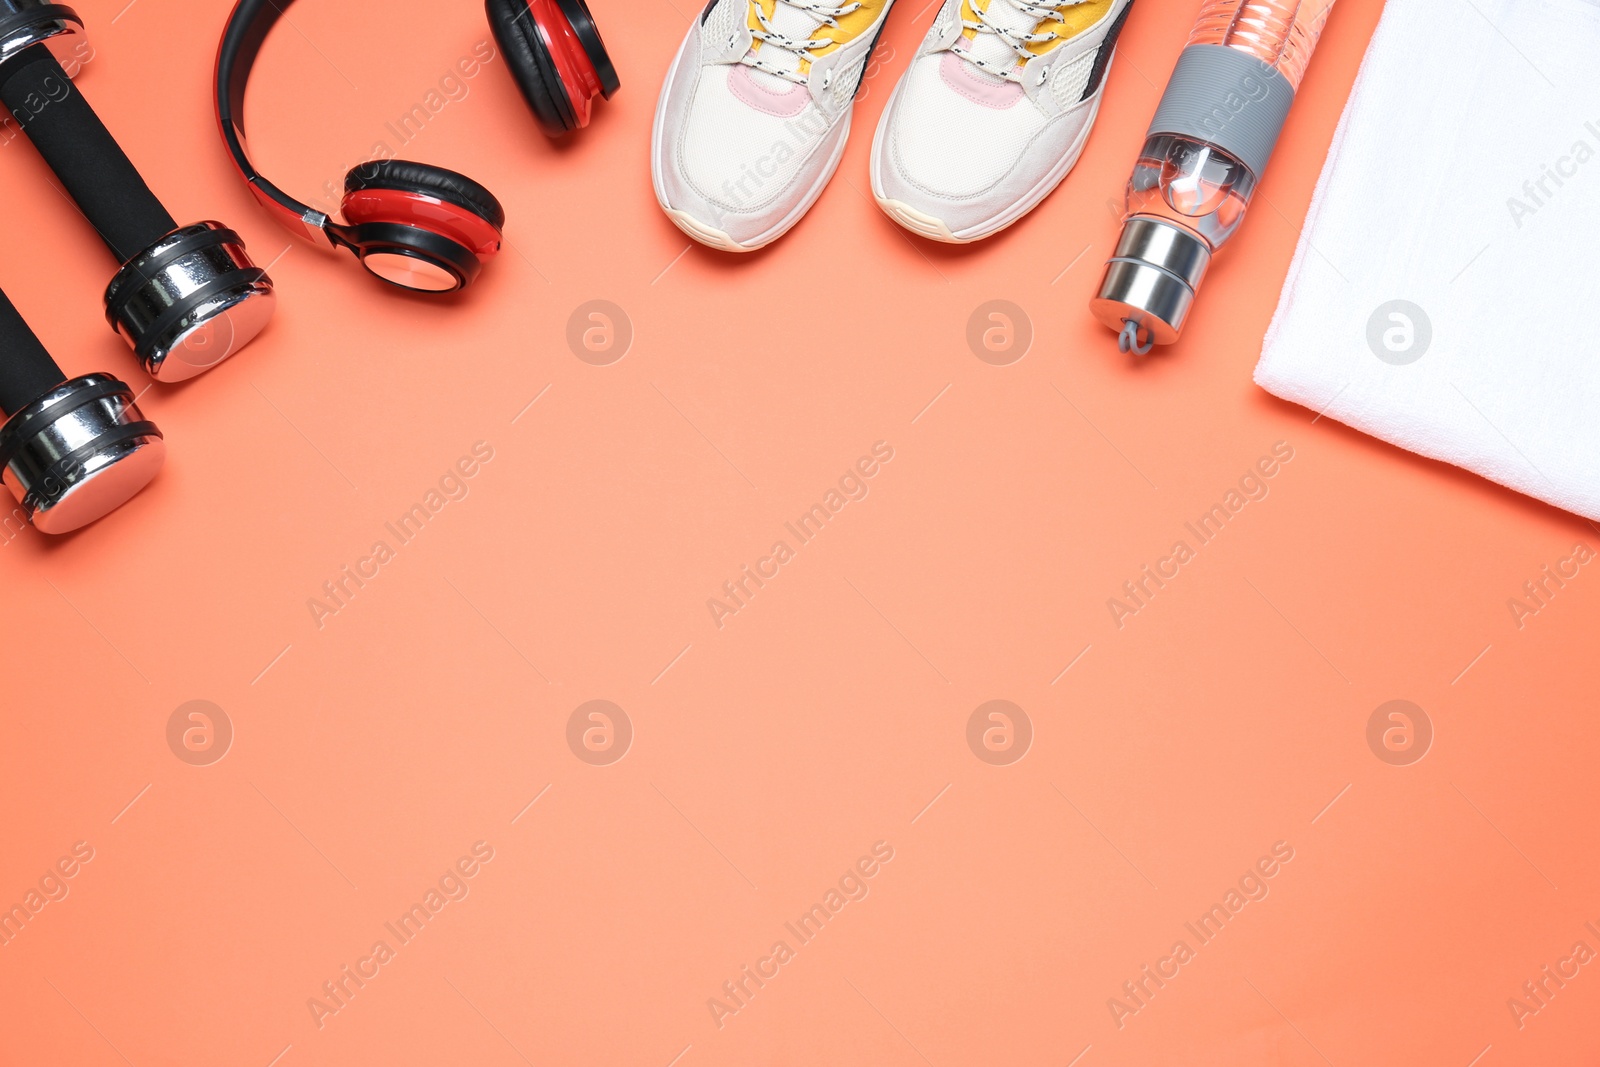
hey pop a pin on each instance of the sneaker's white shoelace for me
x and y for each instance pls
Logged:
(1013, 37)
(824, 14)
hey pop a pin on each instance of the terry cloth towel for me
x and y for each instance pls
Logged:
(1445, 294)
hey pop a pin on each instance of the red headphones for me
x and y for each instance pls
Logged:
(417, 226)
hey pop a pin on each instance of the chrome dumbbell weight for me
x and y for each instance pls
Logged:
(185, 298)
(70, 450)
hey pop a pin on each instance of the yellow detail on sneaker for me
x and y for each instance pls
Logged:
(1070, 20)
(850, 26)
(1073, 20)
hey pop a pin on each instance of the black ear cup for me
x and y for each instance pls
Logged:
(512, 23)
(577, 12)
(407, 177)
(556, 55)
(418, 226)
(556, 93)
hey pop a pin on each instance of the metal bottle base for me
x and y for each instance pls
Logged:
(1151, 279)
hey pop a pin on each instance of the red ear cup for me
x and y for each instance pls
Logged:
(554, 51)
(420, 227)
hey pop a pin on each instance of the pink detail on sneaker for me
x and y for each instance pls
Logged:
(784, 105)
(959, 75)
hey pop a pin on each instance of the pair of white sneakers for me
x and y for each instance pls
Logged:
(991, 114)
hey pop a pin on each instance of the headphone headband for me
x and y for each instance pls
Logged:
(418, 226)
(247, 28)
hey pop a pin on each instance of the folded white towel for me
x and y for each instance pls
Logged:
(1446, 289)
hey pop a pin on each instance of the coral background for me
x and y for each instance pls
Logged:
(373, 748)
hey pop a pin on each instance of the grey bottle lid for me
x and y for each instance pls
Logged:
(1227, 98)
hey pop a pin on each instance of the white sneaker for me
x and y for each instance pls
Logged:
(992, 113)
(755, 112)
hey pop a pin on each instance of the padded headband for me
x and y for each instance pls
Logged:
(247, 28)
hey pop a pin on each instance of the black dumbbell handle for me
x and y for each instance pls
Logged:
(26, 370)
(72, 139)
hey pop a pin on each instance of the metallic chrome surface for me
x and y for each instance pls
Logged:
(1166, 246)
(217, 328)
(211, 326)
(60, 499)
(1152, 278)
(62, 33)
(410, 272)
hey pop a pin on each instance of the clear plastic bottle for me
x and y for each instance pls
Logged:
(1280, 32)
(1212, 135)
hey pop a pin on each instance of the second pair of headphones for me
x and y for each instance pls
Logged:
(418, 226)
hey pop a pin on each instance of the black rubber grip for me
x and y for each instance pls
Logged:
(72, 139)
(26, 370)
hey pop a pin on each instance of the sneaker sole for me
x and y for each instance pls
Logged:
(919, 223)
(707, 236)
(935, 229)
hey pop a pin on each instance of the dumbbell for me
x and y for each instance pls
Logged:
(70, 451)
(185, 298)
